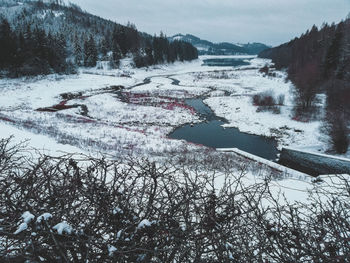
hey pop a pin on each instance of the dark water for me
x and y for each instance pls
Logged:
(201, 108)
(210, 133)
(226, 62)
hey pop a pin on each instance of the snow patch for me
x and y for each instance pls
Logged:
(44, 217)
(27, 217)
(145, 223)
(117, 210)
(111, 250)
(21, 228)
(63, 227)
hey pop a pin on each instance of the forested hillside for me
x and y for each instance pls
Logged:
(208, 48)
(319, 62)
(42, 37)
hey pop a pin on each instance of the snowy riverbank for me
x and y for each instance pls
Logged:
(133, 110)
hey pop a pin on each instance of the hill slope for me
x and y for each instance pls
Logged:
(208, 48)
(39, 37)
(319, 62)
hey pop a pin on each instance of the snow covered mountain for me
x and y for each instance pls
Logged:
(53, 36)
(208, 48)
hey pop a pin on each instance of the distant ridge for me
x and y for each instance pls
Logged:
(206, 47)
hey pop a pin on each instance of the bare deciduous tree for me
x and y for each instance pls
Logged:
(83, 209)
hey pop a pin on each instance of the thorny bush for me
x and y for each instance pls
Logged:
(84, 209)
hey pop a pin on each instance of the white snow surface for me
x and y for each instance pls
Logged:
(143, 122)
(138, 119)
(62, 228)
(21, 228)
(117, 210)
(111, 250)
(27, 218)
(145, 223)
(44, 217)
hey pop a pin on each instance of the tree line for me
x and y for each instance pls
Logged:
(32, 52)
(159, 50)
(43, 38)
(319, 62)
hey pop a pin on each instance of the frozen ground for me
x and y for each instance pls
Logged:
(108, 106)
(92, 112)
(239, 110)
(131, 111)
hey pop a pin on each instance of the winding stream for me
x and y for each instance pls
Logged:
(211, 133)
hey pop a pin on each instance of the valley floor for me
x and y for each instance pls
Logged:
(132, 111)
(94, 108)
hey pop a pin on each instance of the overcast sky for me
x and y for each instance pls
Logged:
(269, 21)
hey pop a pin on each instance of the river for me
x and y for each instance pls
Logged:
(211, 133)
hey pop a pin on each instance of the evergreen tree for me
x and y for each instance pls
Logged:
(59, 54)
(116, 50)
(90, 52)
(78, 50)
(46, 44)
(333, 53)
(120, 40)
(149, 52)
(103, 47)
(7, 45)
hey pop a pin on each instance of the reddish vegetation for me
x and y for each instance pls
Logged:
(300, 119)
(62, 103)
(6, 119)
(61, 106)
(175, 104)
(167, 103)
(79, 119)
(87, 120)
(129, 129)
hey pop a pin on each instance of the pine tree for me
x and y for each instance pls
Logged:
(157, 49)
(7, 45)
(120, 39)
(333, 52)
(149, 52)
(58, 50)
(116, 50)
(103, 47)
(90, 52)
(78, 50)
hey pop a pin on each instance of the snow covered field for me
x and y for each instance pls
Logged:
(139, 124)
(135, 109)
(131, 111)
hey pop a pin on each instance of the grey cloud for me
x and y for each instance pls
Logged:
(269, 21)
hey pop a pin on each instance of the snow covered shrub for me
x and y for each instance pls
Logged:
(266, 101)
(220, 75)
(306, 81)
(265, 98)
(336, 127)
(273, 109)
(140, 61)
(264, 70)
(280, 99)
(83, 209)
(338, 115)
